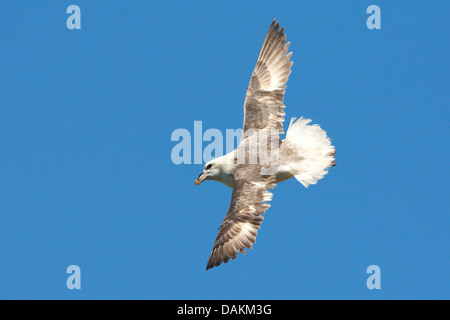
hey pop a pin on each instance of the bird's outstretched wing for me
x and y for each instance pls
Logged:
(243, 220)
(263, 107)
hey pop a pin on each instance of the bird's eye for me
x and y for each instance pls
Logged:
(208, 166)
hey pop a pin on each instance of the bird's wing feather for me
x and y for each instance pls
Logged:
(243, 220)
(263, 107)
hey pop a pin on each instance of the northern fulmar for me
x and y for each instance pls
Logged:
(262, 159)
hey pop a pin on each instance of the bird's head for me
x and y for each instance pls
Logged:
(211, 171)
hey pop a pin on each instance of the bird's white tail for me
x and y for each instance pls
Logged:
(309, 151)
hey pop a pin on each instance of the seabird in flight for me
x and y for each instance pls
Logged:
(306, 152)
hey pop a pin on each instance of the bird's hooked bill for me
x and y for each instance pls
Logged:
(200, 178)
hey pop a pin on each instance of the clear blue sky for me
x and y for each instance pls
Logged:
(86, 177)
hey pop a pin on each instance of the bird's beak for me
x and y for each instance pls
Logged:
(200, 178)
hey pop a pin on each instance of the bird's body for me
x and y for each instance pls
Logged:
(226, 175)
(262, 159)
(297, 158)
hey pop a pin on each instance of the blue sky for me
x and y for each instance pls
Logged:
(86, 176)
